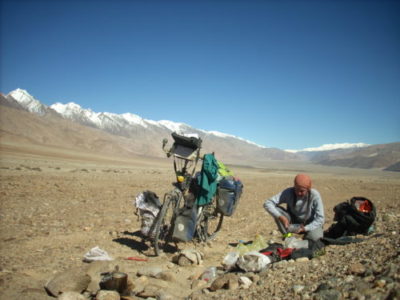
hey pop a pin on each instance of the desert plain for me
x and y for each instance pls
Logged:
(57, 204)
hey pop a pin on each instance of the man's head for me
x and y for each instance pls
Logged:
(302, 185)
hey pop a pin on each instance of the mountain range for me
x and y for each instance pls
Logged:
(70, 126)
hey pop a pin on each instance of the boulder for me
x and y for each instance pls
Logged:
(71, 296)
(73, 280)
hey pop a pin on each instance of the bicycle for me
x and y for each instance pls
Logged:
(186, 154)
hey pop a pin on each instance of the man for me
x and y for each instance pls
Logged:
(304, 211)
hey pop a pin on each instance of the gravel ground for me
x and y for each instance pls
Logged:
(55, 209)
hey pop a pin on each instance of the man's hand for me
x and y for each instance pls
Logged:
(284, 221)
(301, 229)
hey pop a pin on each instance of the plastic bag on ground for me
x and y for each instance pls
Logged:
(96, 253)
(257, 244)
(295, 243)
(253, 261)
(230, 260)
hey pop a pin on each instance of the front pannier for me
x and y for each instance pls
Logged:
(185, 225)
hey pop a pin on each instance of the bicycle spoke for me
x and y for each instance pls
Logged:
(209, 223)
(165, 222)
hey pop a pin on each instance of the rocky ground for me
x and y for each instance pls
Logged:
(54, 209)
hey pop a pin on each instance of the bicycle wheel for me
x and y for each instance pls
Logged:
(209, 222)
(165, 222)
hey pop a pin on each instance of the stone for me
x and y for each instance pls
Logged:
(357, 269)
(150, 291)
(183, 261)
(166, 276)
(198, 284)
(189, 257)
(233, 283)
(74, 280)
(71, 296)
(227, 281)
(254, 277)
(245, 282)
(150, 271)
(107, 295)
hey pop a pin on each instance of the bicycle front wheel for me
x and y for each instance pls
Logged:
(209, 222)
(165, 223)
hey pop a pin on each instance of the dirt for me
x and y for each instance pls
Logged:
(56, 207)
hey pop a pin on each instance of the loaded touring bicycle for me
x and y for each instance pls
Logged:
(184, 215)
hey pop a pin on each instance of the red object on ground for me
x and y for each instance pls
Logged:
(136, 258)
(283, 253)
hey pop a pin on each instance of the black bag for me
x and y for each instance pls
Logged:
(350, 220)
(190, 142)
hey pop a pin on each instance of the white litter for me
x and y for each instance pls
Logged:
(96, 253)
(230, 260)
(253, 261)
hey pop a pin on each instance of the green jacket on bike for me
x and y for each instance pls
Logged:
(207, 180)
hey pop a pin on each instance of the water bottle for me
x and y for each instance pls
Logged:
(210, 274)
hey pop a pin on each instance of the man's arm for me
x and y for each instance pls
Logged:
(319, 216)
(271, 203)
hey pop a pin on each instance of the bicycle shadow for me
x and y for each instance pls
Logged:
(135, 244)
(237, 243)
(142, 244)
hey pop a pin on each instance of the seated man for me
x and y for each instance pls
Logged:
(304, 212)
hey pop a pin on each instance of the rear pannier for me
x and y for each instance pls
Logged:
(229, 192)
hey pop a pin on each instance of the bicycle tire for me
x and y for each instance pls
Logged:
(165, 222)
(209, 223)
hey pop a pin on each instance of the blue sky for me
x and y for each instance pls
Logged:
(285, 74)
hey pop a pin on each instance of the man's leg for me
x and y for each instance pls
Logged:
(315, 234)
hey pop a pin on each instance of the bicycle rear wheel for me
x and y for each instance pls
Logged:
(165, 222)
(209, 222)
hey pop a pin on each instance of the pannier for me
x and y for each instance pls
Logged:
(185, 224)
(229, 192)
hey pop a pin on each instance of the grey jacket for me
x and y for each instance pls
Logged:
(310, 214)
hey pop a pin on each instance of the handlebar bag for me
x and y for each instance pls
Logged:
(190, 142)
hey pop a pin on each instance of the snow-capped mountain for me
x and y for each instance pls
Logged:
(27, 101)
(126, 124)
(122, 124)
(102, 120)
(146, 132)
(330, 147)
(129, 134)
